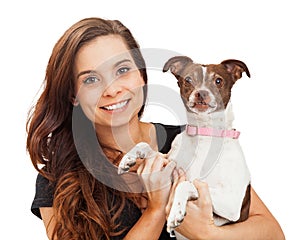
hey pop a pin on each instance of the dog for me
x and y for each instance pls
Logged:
(208, 149)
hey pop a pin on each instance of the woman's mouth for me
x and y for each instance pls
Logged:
(116, 107)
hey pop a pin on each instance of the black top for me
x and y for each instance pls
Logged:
(44, 191)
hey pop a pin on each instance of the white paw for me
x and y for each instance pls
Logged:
(126, 163)
(184, 192)
(176, 216)
(142, 150)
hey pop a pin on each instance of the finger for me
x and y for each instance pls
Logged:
(158, 164)
(162, 177)
(175, 177)
(134, 168)
(167, 173)
(166, 160)
(178, 176)
(204, 200)
(148, 162)
(182, 175)
(140, 168)
(169, 168)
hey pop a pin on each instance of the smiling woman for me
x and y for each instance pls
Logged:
(95, 80)
(109, 84)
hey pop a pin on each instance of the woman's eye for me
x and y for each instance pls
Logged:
(90, 80)
(219, 82)
(122, 70)
(188, 79)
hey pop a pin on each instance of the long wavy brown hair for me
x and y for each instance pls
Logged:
(82, 204)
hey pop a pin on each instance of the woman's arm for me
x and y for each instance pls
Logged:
(156, 178)
(198, 223)
(48, 219)
(149, 225)
(261, 224)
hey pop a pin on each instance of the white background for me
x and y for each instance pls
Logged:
(263, 34)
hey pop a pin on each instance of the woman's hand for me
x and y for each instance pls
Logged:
(156, 175)
(198, 222)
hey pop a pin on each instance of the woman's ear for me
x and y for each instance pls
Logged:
(75, 101)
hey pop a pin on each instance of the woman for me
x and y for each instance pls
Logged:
(86, 118)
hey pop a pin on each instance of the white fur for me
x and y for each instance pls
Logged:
(218, 161)
(204, 72)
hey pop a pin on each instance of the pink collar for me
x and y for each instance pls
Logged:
(193, 130)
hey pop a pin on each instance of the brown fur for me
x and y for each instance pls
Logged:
(229, 71)
(246, 205)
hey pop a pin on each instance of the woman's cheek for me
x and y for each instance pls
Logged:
(89, 101)
(134, 79)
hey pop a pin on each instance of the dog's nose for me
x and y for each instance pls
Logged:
(202, 94)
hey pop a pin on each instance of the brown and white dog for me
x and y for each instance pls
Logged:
(209, 149)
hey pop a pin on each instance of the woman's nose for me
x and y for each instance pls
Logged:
(113, 89)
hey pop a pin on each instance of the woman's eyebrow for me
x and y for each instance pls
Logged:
(94, 72)
(85, 72)
(121, 61)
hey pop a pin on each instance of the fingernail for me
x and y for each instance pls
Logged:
(173, 163)
(175, 174)
(180, 171)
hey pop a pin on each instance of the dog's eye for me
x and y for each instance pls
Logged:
(219, 82)
(188, 79)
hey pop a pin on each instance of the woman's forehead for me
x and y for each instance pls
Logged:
(103, 51)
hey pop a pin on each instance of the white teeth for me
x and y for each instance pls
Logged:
(116, 106)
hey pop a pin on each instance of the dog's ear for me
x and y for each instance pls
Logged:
(236, 68)
(176, 64)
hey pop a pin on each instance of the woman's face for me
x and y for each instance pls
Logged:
(108, 83)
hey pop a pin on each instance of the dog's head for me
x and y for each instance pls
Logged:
(205, 88)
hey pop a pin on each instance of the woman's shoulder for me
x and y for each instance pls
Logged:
(170, 127)
(165, 134)
(44, 191)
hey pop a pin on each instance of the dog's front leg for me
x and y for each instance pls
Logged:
(141, 150)
(184, 192)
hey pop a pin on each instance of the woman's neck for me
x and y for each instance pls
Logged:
(123, 138)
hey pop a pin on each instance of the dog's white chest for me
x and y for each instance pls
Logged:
(219, 162)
